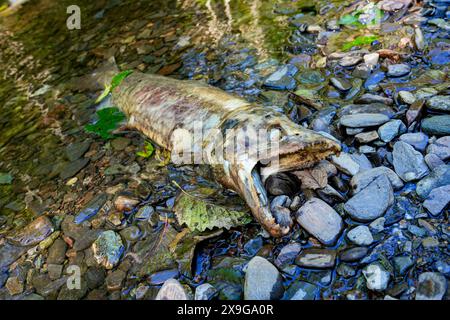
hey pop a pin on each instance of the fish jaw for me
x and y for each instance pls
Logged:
(247, 174)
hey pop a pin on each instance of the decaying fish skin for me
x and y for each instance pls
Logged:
(160, 107)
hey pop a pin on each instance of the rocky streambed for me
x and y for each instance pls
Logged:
(369, 223)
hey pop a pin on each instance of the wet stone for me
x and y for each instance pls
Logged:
(345, 163)
(377, 278)
(262, 281)
(390, 130)
(316, 258)
(398, 70)
(439, 103)
(345, 270)
(441, 148)
(302, 290)
(282, 184)
(407, 97)
(14, 286)
(76, 150)
(350, 61)
(437, 200)
(120, 143)
(439, 125)
(418, 140)
(108, 249)
(439, 177)
(366, 137)
(205, 291)
(369, 98)
(363, 179)
(408, 163)
(402, 264)
(73, 168)
(341, 84)
(363, 120)
(33, 233)
(371, 202)
(54, 271)
(320, 220)
(282, 79)
(431, 286)
(91, 209)
(353, 254)
(115, 279)
(360, 236)
(287, 254)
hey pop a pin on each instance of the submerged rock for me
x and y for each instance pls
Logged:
(262, 281)
(33, 233)
(108, 249)
(408, 163)
(320, 220)
(316, 258)
(431, 286)
(282, 79)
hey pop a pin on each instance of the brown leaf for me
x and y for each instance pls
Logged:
(316, 178)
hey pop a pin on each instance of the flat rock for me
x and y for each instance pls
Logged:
(441, 148)
(262, 281)
(360, 236)
(437, 200)
(353, 254)
(345, 163)
(390, 130)
(407, 97)
(362, 120)
(72, 168)
(76, 150)
(398, 70)
(302, 290)
(363, 179)
(373, 98)
(418, 140)
(439, 177)
(371, 202)
(366, 137)
(408, 163)
(316, 258)
(341, 84)
(33, 233)
(438, 125)
(91, 208)
(377, 278)
(320, 220)
(172, 289)
(288, 254)
(439, 103)
(431, 286)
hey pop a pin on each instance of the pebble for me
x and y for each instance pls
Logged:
(407, 97)
(172, 290)
(398, 70)
(341, 84)
(371, 202)
(431, 286)
(125, 203)
(377, 278)
(76, 150)
(72, 168)
(115, 279)
(364, 178)
(54, 271)
(439, 125)
(366, 137)
(418, 140)
(108, 249)
(371, 59)
(368, 98)
(437, 200)
(439, 103)
(360, 236)
(345, 163)
(282, 78)
(441, 148)
(302, 290)
(287, 254)
(433, 161)
(439, 177)
(14, 286)
(282, 184)
(378, 224)
(408, 163)
(120, 143)
(316, 258)
(91, 209)
(33, 233)
(353, 254)
(262, 281)
(350, 61)
(402, 264)
(205, 291)
(362, 120)
(320, 220)
(390, 130)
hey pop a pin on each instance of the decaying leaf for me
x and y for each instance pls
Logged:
(201, 214)
(315, 178)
